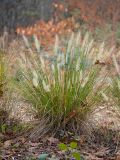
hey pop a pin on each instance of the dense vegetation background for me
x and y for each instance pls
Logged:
(26, 12)
(23, 12)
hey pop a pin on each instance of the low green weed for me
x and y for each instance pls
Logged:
(71, 151)
(2, 73)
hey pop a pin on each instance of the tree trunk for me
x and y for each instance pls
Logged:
(15, 13)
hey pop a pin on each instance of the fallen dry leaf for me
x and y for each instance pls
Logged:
(53, 140)
(7, 143)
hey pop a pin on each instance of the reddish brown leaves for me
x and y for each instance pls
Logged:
(46, 31)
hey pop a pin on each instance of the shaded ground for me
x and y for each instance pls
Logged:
(21, 148)
(100, 142)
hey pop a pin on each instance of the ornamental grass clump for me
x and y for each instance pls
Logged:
(115, 87)
(2, 73)
(63, 85)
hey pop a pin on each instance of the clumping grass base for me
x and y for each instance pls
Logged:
(64, 85)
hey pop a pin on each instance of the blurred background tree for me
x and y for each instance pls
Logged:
(15, 13)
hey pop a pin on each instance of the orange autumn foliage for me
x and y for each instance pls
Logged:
(46, 31)
(91, 12)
